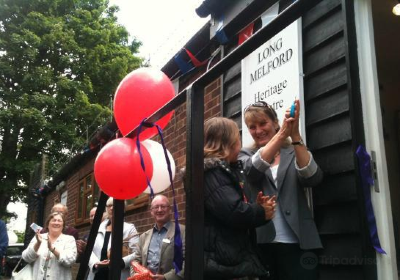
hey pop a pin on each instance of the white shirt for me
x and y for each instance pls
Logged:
(129, 232)
(57, 269)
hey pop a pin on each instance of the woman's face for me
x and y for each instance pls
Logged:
(56, 224)
(262, 130)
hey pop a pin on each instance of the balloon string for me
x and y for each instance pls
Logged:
(141, 157)
(178, 253)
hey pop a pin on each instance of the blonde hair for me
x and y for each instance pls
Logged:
(258, 114)
(220, 134)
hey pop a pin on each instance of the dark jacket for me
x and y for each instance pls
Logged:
(3, 238)
(230, 224)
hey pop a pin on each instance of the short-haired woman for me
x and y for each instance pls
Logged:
(282, 166)
(51, 253)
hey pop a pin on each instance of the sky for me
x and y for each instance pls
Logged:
(21, 210)
(162, 26)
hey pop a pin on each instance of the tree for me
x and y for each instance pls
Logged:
(21, 236)
(60, 63)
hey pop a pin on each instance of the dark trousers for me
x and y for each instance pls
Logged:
(288, 262)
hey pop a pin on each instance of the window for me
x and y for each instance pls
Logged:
(137, 202)
(88, 195)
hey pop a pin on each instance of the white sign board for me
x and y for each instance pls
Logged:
(274, 73)
(64, 197)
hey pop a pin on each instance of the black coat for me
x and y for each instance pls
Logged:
(230, 224)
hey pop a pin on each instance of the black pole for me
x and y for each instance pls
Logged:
(194, 184)
(116, 240)
(92, 236)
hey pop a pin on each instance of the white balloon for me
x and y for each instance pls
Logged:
(160, 180)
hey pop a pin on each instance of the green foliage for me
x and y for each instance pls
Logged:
(21, 236)
(60, 63)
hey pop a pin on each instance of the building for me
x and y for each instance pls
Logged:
(349, 60)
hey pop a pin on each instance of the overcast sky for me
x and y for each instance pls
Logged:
(162, 26)
(19, 223)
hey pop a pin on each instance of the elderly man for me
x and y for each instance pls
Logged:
(81, 244)
(155, 249)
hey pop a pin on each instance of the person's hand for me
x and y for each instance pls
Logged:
(80, 246)
(157, 277)
(103, 263)
(269, 207)
(38, 236)
(49, 244)
(287, 127)
(261, 199)
(295, 132)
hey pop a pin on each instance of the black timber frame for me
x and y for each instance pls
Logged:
(194, 98)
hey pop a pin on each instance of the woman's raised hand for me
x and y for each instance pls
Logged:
(294, 121)
(38, 236)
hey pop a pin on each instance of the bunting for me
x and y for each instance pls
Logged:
(246, 33)
(194, 60)
(184, 66)
(270, 14)
(220, 33)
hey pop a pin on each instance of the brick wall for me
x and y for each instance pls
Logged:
(175, 141)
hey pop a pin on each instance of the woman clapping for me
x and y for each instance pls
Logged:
(51, 253)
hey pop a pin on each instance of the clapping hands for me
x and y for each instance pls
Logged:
(268, 203)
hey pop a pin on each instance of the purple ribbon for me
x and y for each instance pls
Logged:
(367, 180)
(178, 253)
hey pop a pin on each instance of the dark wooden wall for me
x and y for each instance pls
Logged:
(334, 130)
(333, 125)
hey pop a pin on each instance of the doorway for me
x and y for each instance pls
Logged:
(387, 48)
(377, 32)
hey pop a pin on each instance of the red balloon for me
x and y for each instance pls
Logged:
(118, 171)
(141, 93)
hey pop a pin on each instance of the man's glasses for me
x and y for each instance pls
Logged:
(162, 207)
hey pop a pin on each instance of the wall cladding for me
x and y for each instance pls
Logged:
(330, 128)
(337, 202)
